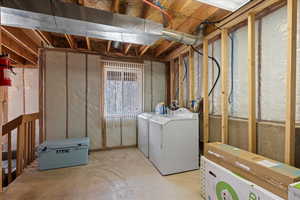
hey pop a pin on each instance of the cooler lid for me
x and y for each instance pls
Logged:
(67, 143)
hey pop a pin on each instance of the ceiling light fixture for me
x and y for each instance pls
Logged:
(231, 5)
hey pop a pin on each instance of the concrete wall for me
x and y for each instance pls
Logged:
(270, 137)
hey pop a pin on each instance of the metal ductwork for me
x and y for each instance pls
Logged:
(55, 16)
(180, 37)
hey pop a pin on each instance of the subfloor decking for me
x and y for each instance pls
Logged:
(110, 175)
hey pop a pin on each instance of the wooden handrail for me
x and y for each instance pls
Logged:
(13, 124)
(25, 125)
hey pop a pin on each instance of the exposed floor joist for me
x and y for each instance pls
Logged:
(21, 38)
(71, 41)
(45, 37)
(15, 47)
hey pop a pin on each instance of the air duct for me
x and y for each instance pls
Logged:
(55, 16)
(180, 37)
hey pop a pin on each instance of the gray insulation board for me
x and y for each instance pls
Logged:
(76, 95)
(147, 87)
(55, 95)
(94, 123)
(158, 83)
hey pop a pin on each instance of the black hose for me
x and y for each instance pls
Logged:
(218, 66)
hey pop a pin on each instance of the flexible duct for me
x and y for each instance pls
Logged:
(180, 37)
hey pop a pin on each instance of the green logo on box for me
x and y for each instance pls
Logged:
(225, 192)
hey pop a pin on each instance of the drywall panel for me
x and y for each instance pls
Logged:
(94, 123)
(76, 95)
(129, 131)
(55, 95)
(31, 80)
(113, 132)
(274, 65)
(147, 87)
(158, 83)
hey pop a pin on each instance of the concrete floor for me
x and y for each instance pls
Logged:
(110, 175)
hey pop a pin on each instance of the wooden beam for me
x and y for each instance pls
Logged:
(116, 6)
(252, 85)
(127, 48)
(144, 49)
(71, 41)
(1, 121)
(164, 47)
(45, 37)
(14, 46)
(18, 35)
(289, 154)
(108, 46)
(180, 81)
(255, 6)
(88, 43)
(189, 25)
(13, 57)
(191, 75)
(205, 93)
(224, 76)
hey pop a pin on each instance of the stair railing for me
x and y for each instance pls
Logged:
(26, 143)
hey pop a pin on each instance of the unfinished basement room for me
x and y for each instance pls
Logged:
(150, 99)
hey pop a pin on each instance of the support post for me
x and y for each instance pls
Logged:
(252, 85)
(191, 75)
(224, 77)
(205, 92)
(289, 154)
(180, 81)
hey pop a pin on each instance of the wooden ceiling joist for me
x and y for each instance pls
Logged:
(71, 41)
(108, 46)
(88, 43)
(189, 25)
(21, 38)
(12, 56)
(144, 49)
(127, 48)
(44, 36)
(15, 47)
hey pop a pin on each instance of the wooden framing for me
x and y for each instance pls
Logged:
(191, 75)
(71, 41)
(252, 85)
(180, 81)
(289, 155)
(235, 19)
(15, 47)
(88, 43)
(224, 78)
(1, 123)
(127, 48)
(45, 37)
(205, 92)
(172, 80)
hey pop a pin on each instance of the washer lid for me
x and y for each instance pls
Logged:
(146, 115)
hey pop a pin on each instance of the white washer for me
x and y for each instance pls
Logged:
(143, 132)
(174, 142)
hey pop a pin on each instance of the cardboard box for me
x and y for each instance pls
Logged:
(269, 174)
(223, 184)
(294, 191)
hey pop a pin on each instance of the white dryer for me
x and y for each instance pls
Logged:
(143, 132)
(174, 142)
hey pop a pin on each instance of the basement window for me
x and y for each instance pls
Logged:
(123, 89)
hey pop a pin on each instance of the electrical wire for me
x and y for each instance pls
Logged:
(161, 10)
(218, 66)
